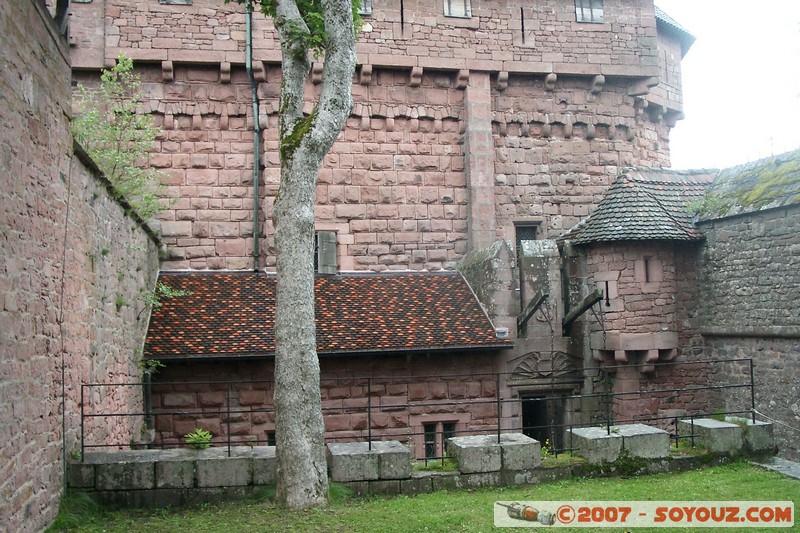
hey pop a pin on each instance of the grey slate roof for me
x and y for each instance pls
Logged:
(763, 184)
(668, 24)
(644, 205)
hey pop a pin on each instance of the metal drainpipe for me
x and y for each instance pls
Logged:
(256, 132)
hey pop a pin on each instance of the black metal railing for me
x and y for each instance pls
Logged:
(465, 400)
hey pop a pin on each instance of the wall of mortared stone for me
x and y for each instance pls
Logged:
(189, 395)
(394, 187)
(69, 257)
(557, 151)
(748, 294)
(492, 39)
(651, 289)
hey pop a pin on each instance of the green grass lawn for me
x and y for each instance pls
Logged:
(464, 510)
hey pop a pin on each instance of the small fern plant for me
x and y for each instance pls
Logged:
(199, 439)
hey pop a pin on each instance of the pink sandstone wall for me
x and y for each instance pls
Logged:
(68, 257)
(395, 380)
(655, 311)
(461, 127)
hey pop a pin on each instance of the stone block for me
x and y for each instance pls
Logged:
(81, 476)
(385, 486)
(758, 436)
(216, 469)
(358, 488)
(352, 461)
(445, 481)
(476, 453)
(645, 441)
(520, 477)
(595, 444)
(394, 459)
(418, 483)
(264, 465)
(520, 452)
(175, 469)
(717, 436)
(125, 476)
(479, 479)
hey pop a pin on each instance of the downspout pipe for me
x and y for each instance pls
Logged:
(256, 133)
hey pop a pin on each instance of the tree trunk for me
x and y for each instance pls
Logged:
(302, 479)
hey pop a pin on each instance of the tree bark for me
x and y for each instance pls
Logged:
(302, 479)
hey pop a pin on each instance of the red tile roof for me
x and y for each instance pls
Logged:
(230, 314)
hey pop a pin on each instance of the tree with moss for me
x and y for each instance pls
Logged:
(324, 28)
(118, 138)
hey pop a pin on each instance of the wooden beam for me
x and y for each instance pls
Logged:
(533, 305)
(584, 305)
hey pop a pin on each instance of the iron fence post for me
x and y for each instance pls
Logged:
(228, 419)
(752, 393)
(607, 400)
(499, 406)
(83, 447)
(148, 401)
(369, 413)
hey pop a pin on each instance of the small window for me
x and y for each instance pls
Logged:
(522, 233)
(271, 438)
(325, 252)
(589, 10)
(457, 8)
(429, 431)
(365, 8)
(435, 438)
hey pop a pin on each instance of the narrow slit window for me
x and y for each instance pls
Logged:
(429, 431)
(448, 431)
(366, 8)
(325, 252)
(589, 10)
(457, 8)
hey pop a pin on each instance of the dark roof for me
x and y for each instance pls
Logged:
(644, 205)
(670, 26)
(231, 314)
(763, 184)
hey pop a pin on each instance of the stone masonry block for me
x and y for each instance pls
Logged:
(645, 441)
(418, 483)
(216, 469)
(352, 461)
(81, 476)
(596, 444)
(264, 465)
(175, 469)
(519, 452)
(758, 436)
(717, 436)
(476, 453)
(125, 476)
(394, 459)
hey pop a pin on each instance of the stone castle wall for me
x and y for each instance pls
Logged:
(185, 396)
(748, 294)
(461, 126)
(72, 268)
(648, 316)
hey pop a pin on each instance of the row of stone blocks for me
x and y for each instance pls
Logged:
(597, 444)
(246, 466)
(175, 469)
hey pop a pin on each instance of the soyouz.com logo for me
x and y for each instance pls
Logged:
(594, 514)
